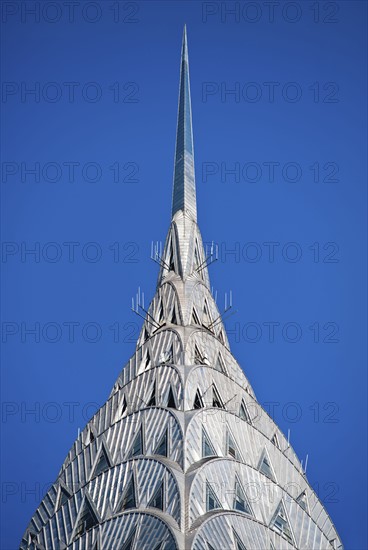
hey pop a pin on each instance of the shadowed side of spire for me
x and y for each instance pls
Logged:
(184, 193)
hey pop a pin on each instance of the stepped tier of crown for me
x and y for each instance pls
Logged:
(181, 456)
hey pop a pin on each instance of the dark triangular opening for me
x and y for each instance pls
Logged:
(206, 319)
(238, 542)
(216, 399)
(280, 523)
(240, 500)
(219, 365)
(302, 501)
(197, 260)
(87, 519)
(212, 502)
(161, 448)
(170, 354)
(195, 319)
(123, 407)
(147, 360)
(137, 447)
(64, 496)
(171, 257)
(128, 544)
(160, 315)
(157, 501)
(198, 403)
(128, 501)
(221, 337)
(207, 447)
(103, 463)
(243, 413)
(152, 400)
(174, 319)
(198, 359)
(231, 446)
(275, 441)
(171, 399)
(265, 467)
(91, 436)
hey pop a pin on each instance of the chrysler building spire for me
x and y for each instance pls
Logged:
(181, 456)
(184, 193)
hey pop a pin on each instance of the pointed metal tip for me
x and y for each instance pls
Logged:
(185, 38)
(184, 196)
(184, 47)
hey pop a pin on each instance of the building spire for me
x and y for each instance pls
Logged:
(184, 193)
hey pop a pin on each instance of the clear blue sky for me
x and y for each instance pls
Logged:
(294, 132)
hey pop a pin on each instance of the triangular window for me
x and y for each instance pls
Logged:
(171, 403)
(232, 449)
(124, 407)
(128, 544)
(173, 318)
(157, 501)
(63, 496)
(161, 448)
(240, 500)
(128, 501)
(221, 337)
(275, 441)
(209, 546)
(91, 436)
(159, 546)
(243, 413)
(147, 360)
(198, 402)
(171, 258)
(145, 334)
(197, 260)
(103, 463)
(280, 523)
(220, 365)
(207, 447)
(303, 501)
(206, 319)
(137, 447)
(216, 399)
(212, 502)
(238, 543)
(160, 314)
(265, 466)
(170, 354)
(195, 319)
(198, 359)
(152, 400)
(87, 519)
(32, 539)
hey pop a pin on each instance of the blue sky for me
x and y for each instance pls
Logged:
(278, 103)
